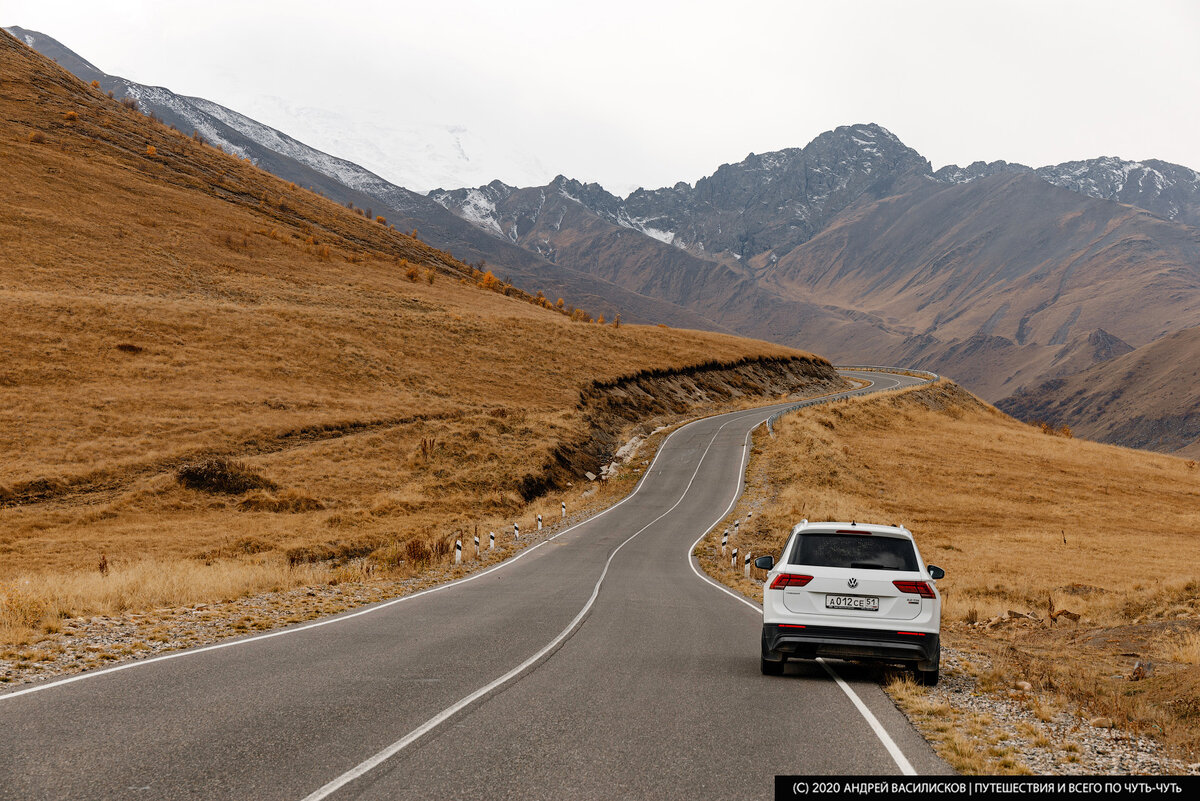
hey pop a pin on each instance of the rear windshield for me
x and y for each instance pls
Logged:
(854, 550)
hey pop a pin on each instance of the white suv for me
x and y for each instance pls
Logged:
(851, 591)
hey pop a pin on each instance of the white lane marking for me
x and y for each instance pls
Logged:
(378, 759)
(329, 621)
(881, 733)
(893, 750)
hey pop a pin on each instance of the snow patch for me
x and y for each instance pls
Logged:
(478, 210)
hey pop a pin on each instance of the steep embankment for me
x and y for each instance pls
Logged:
(1148, 398)
(202, 360)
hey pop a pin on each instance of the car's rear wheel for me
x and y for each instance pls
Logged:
(771, 668)
(927, 678)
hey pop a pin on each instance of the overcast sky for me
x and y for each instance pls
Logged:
(650, 93)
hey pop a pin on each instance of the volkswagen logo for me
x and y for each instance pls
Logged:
(852, 583)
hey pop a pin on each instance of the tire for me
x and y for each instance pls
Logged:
(927, 678)
(771, 668)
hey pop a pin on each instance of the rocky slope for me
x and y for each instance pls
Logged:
(1146, 398)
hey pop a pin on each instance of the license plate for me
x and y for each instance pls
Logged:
(863, 603)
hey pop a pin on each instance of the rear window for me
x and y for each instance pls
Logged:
(854, 550)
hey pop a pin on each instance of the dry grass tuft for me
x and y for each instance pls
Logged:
(217, 474)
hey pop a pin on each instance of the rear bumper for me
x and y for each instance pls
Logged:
(810, 642)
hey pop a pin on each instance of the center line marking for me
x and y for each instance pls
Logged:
(378, 759)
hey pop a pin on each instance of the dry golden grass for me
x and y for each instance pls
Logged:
(964, 738)
(1021, 520)
(165, 304)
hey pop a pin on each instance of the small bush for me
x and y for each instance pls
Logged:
(429, 276)
(95, 84)
(412, 273)
(129, 103)
(71, 116)
(151, 150)
(381, 220)
(422, 552)
(221, 475)
(37, 138)
(129, 347)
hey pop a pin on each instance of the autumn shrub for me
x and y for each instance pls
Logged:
(71, 116)
(220, 475)
(381, 220)
(95, 84)
(151, 150)
(37, 138)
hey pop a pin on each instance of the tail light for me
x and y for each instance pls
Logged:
(921, 588)
(784, 580)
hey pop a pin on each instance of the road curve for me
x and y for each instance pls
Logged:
(599, 664)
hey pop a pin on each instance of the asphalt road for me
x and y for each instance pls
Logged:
(599, 664)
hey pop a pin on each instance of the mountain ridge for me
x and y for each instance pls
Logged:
(998, 274)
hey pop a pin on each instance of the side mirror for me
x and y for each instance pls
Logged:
(764, 562)
(936, 572)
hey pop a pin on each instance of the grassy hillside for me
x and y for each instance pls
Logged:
(204, 366)
(1021, 520)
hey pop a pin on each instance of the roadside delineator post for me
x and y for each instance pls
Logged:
(458, 552)
(476, 546)
(733, 564)
(564, 509)
(747, 564)
(724, 542)
(737, 526)
(539, 522)
(516, 531)
(491, 540)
